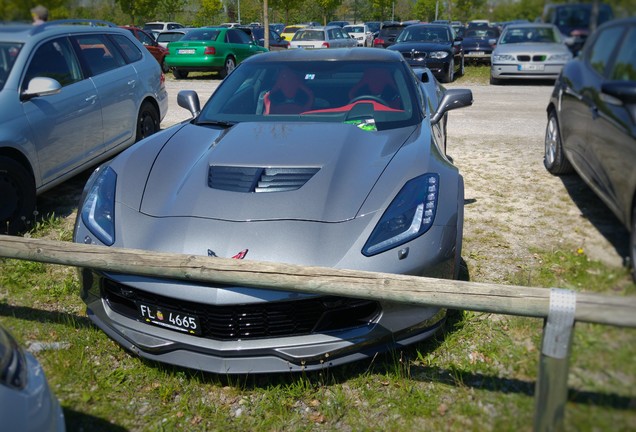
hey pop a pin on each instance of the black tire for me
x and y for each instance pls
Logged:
(179, 74)
(147, 121)
(230, 65)
(632, 245)
(462, 67)
(450, 75)
(494, 81)
(554, 160)
(164, 67)
(17, 196)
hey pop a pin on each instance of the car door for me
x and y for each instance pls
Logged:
(67, 126)
(240, 44)
(117, 86)
(612, 126)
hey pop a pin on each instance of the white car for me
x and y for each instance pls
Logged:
(322, 37)
(361, 33)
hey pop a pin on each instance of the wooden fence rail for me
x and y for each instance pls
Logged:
(557, 307)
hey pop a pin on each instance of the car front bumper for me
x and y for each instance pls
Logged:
(526, 70)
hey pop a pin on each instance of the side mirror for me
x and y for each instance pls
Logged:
(453, 99)
(189, 99)
(41, 86)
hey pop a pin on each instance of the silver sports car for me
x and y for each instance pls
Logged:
(331, 158)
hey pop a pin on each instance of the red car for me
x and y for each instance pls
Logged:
(157, 51)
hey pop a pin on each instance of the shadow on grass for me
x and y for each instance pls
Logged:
(78, 421)
(599, 215)
(31, 314)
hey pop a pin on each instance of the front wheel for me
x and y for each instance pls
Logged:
(554, 160)
(230, 65)
(147, 121)
(450, 75)
(17, 196)
(164, 67)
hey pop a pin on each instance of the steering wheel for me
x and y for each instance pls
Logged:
(368, 98)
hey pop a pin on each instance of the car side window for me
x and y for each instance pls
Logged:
(601, 52)
(144, 38)
(623, 69)
(54, 59)
(130, 51)
(237, 37)
(99, 54)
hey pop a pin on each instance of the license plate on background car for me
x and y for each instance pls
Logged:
(531, 67)
(175, 320)
(475, 54)
(185, 51)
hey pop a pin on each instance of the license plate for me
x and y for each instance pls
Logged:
(475, 54)
(185, 51)
(531, 67)
(175, 320)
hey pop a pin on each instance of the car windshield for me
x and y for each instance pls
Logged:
(482, 33)
(424, 34)
(8, 53)
(529, 34)
(201, 35)
(378, 95)
(353, 29)
(309, 35)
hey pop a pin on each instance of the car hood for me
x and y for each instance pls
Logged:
(207, 172)
(531, 47)
(420, 46)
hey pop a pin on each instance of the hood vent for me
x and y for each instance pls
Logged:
(249, 179)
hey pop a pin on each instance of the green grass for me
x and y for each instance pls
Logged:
(478, 374)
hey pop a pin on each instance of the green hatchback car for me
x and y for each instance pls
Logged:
(210, 49)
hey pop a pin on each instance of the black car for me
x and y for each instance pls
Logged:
(434, 46)
(592, 120)
(388, 34)
(479, 42)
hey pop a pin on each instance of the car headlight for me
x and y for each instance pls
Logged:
(98, 209)
(560, 57)
(503, 58)
(438, 54)
(410, 214)
(13, 364)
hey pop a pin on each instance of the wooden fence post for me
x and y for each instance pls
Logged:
(551, 389)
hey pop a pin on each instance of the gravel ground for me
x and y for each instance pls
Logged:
(514, 207)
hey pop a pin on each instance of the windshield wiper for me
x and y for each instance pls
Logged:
(222, 123)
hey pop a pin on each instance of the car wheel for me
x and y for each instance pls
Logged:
(230, 65)
(164, 67)
(554, 159)
(17, 196)
(148, 121)
(179, 74)
(450, 75)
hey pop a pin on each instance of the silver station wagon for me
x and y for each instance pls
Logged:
(70, 96)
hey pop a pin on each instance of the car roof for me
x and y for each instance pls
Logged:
(26, 32)
(335, 54)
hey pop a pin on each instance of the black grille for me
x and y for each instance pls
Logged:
(247, 179)
(252, 321)
(535, 58)
(414, 55)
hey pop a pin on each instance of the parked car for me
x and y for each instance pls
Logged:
(361, 33)
(71, 96)
(434, 46)
(210, 49)
(528, 51)
(277, 27)
(374, 27)
(388, 34)
(322, 37)
(160, 26)
(479, 43)
(276, 41)
(592, 120)
(272, 144)
(158, 52)
(26, 400)
(289, 31)
(575, 20)
(165, 37)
